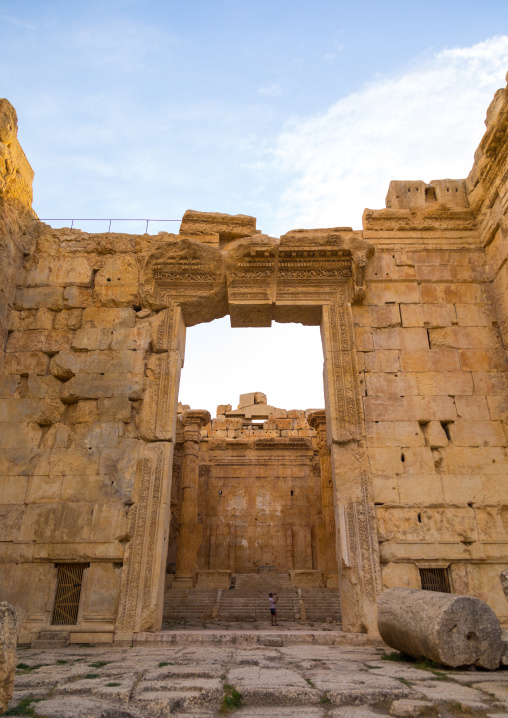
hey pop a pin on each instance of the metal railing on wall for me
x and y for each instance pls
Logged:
(95, 219)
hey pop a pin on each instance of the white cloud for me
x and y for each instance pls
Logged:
(424, 124)
(270, 89)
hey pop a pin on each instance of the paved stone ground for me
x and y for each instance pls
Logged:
(297, 681)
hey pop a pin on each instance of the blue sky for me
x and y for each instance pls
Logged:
(298, 113)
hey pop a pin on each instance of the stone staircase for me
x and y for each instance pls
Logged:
(248, 601)
(190, 605)
(321, 604)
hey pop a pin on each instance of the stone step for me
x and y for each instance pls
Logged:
(333, 637)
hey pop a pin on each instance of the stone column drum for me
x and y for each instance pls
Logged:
(189, 529)
(445, 627)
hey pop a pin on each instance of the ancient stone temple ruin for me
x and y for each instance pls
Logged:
(117, 503)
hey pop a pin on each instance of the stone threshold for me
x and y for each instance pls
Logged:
(273, 638)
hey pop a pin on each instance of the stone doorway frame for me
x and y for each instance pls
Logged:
(308, 277)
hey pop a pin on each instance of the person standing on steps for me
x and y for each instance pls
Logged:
(273, 598)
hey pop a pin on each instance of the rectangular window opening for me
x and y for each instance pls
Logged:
(68, 592)
(435, 579)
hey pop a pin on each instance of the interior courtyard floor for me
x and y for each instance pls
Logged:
(200, 681)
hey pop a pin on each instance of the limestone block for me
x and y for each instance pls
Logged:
(472, 407)
(391, 384)
(417, 460)
(95, 437)
(444, 408)
(8, 641)
(56, 522)
(44, 319)
(420, 490)
(109, 521)
(91, 338)
(446, 628)
(428, 315)
(30, 410)
(95, 386)
(465, 337)
(490, 383)
(16, 435)
(386, 292)
(477, 433)
(36, 297)
(67, 364)
(73, 461)
(462, 489)
(385, 461)
(483, 360)
(22, 319)
(226, 225)
(39, 340)
(363, 339)
(11, 519)
(435, 435)
(446, 383)
(133, 339)
(403, 575)
(449, 524)
(394, 433)
(24, 363)
(498, 407)
(77, 297)
(99, 600)
(365, 315)
(385, 489)
(454, 293)
(473, 315)
(399, 523)
(465, 460)
(67, 271)
(14, 489)
(411, 708)
(44, 489)
(491, 523)
(82, 412)
(473, 273)
(422, 360)
(382, 361)
(167, 331)
(109, 318)
(68, 319)
(116, 284)
(116, 409)
(400, 338)
(411, 408)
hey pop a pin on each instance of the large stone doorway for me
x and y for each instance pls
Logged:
(220, 265)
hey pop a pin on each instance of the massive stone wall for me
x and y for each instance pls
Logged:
(413, 314)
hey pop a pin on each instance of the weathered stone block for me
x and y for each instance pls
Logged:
(387, 292)
(68, 364)
(400, 338)
(394, 433)
(445, 384)
(382, 361)
(67, 271)
(95, 386)
(435, 435)
(116, 284)
(36, 297)
(108, 318)
(118, 409)
(465, 337)
(39, 340)
(483, 360)
(421, 360)
(8, 641)
(473, 315)
(91, 338)
(472, 407)
(477, 433)
(134, 339)
(446, 628)
(420, 490)
(490, 383)
(365, 315)
(391, 384)
(77, 297)
(82, 412)
(427, 315)
(453, 293)
(24, 363)
(398, 409)
(68, 319)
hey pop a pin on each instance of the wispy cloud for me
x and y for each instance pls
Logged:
(270, 89)
(17, 22)
(424, 124)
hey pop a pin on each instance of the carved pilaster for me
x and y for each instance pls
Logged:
(354, 511)
(317, 419)
(189, 537)
(145, 556)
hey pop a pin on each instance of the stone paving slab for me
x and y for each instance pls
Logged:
(297, 681)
